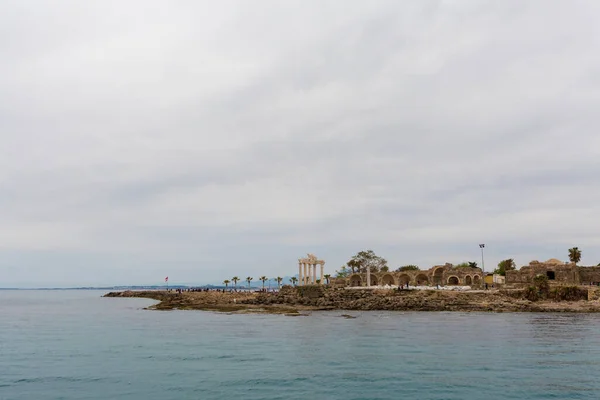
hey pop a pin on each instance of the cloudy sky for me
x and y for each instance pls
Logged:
(204, 139)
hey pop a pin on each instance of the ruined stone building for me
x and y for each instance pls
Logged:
(558, 272)
(442, 275)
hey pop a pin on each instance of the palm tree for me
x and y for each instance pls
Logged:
(249, 279)
(263, 279)
(226, 282)
(235, 280)
(327, 277)
(293, 279)
(575, 255)
(279, 280)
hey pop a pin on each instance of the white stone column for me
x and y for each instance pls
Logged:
(305, 274)
(368, 276)
(314, 275)
(299, 273)
(322, 275)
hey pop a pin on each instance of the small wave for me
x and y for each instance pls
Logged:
(50, 379)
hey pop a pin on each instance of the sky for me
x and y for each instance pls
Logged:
(201, 140)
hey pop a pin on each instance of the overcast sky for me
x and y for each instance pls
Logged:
(205, 139)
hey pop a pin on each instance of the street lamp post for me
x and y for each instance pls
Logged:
(482, 246)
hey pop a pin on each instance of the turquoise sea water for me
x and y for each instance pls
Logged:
(77, 345)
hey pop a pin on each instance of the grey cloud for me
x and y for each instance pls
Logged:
(201, 140)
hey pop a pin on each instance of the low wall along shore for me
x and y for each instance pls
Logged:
(299, 300)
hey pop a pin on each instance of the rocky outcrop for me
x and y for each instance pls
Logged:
(291, 300)
(208, 301)
(417, 300)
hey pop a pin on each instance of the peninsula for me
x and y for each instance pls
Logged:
(551, 286)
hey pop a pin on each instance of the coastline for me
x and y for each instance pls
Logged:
(300, 300)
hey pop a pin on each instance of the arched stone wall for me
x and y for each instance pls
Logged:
(355, 280)
(438, 276)
(453, 280)
(403, 279)
(388, 279)
(421, 279)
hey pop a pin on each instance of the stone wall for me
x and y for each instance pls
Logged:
(589, 275)
(442, 275)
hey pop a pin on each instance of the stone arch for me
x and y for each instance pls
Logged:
(388, 279)
(476, 280)
(422, 279)
(403, 279)
(374, 280)
(438, 276)
(468, 280)
(453, 280)
(355, 280)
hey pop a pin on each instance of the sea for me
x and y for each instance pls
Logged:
(74, 344)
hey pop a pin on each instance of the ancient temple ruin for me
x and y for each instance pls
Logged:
(307, 270)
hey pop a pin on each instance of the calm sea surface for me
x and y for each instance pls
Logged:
(77, 345)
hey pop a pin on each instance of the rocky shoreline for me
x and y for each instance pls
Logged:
(300, 300)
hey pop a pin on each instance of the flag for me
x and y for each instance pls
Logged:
(167, 279)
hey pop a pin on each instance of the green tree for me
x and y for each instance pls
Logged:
(263, 279)
(249, 279)
(466, 264)
(327, 278)
(408, 268)
(279, 280)
(342, 272)
(226, 282)
(294, 280)
(505, 265)
(235, 280)
(575, 255)
(366, 259)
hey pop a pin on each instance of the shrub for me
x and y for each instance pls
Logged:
(465, 264)
(539, 290)
(568, 293)
(408, 268)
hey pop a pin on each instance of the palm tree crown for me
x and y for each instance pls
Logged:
(263, 279)
(575, 255)
(226, 282)
(235, 280)
(249, 279)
